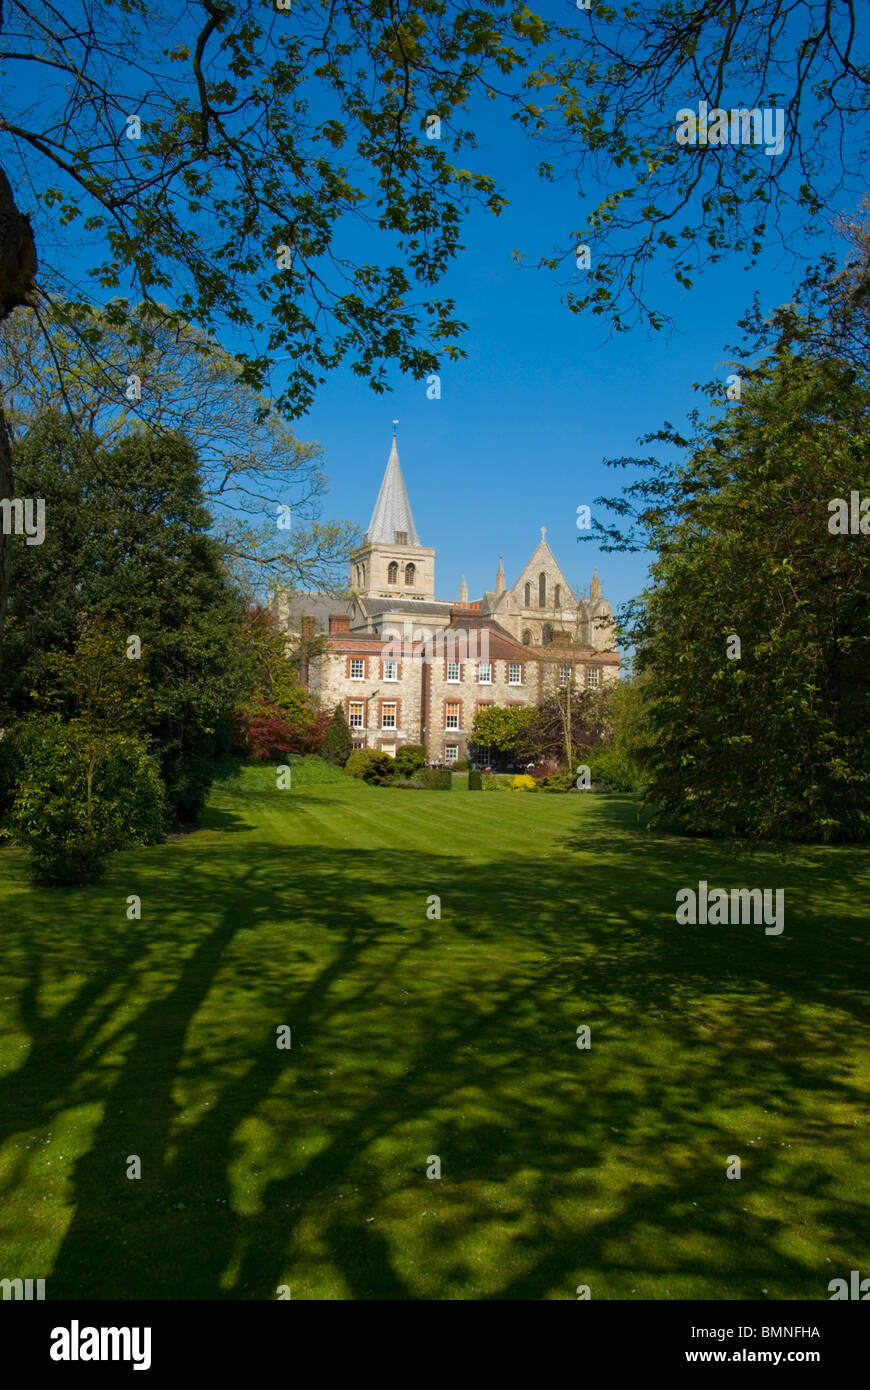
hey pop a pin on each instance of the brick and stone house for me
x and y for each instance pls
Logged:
(410, 668)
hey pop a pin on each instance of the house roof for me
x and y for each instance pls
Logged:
(301, 604)
(372, 606)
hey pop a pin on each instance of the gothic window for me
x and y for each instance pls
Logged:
(547, 634)
(557, 597)
(392, 572)
(528, 595)
(401, 538)
(527, 636)
(409, 575)
(542, 590)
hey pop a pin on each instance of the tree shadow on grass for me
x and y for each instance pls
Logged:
(457, 1037)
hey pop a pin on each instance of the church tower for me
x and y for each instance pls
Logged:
(392, 563)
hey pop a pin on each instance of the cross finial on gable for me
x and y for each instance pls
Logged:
(543, 533)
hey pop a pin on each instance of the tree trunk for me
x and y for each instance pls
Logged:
(17, 288)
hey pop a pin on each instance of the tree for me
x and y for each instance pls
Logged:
(337, 743)
(753, 636)
(129, 542)
(567, 653)
(17, 290)
(500, 728)
(276, 716)
(544, 740)
(77, 799)
(238, 175)
(235, 172)
(263, 486)
(612, 121)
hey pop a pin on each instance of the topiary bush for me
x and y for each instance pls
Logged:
(475, 780)
(337, 743)
(78, 798)
(434, 779)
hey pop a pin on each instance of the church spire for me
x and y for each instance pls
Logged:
(392, 522)
(463, 591)
(595, 586)
(500, 581)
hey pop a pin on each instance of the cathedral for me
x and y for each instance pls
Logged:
(409, 668)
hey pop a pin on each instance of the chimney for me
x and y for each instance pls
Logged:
(338, 623)
(308, 629)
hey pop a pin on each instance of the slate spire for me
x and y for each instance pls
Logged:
(391, 518)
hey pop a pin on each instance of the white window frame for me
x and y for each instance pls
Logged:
(448, 716)
(358, 661)
(481, 678)
(515, 666)
(564, 676)
(593, 677)
(451, 752)
(390, 665)
(454, 680)
(390, 705)
(350, 714)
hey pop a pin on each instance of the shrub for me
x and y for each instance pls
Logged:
(262, 733)
(545, 769)
(435, 779)
(475, 781)
(557, 782)
(359, 759)
(408, 758)
(523, 783)
(311, 739)
(380, 771)
(462, 766)
(493, 783)
(78, 798)
(8, 772)
(371, 766)
(337, 743)
(608, 767)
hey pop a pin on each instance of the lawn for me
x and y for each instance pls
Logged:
(414, 1037)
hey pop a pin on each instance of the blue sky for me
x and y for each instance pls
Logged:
(518, 437)
(524, 422)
